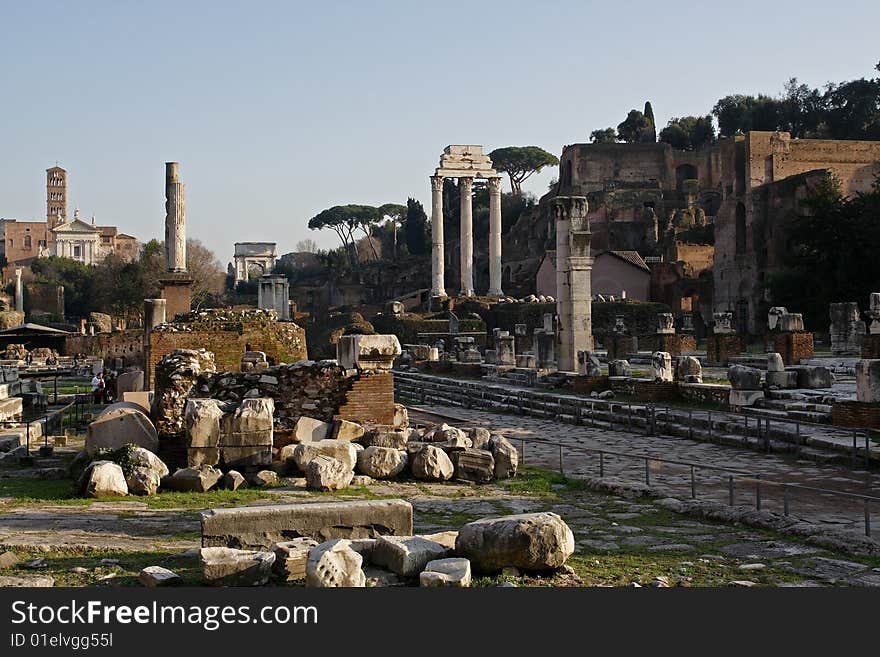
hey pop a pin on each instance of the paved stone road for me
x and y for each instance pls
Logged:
(811, 506)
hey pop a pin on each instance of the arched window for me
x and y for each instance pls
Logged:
(740, 228)
(684, 172)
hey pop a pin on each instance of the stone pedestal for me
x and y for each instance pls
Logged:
(868, 381)
(621, 346)
(846, 329)
(505, 353)
(721, 346)
(668, 342)
(154, 314)
(177, 292)
(793, 347)
(545, 349)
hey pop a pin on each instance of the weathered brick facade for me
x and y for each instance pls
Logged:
(674, 344)
(793, 346)
(856, 414)
(369, 400)
(127, 345)
(720, 347)
(621, 346)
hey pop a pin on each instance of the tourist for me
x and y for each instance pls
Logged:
(112, 388)
(98, 387)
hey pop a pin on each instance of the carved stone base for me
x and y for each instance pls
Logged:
(721, 346)
(793, 347)
(177, 292)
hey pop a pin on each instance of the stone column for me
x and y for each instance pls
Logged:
(154, 314)
(437, 261)
(175, 220)
(573, 286)
(495, 237)
(465, 189)
(19, 292)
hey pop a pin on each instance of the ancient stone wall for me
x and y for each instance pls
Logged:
(127, 345)
(720, 348)
(226, 333)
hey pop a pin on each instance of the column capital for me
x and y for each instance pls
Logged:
(466, 183)
(437, 183)
(494, 185)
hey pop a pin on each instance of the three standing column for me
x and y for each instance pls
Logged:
(495, 237)
(437, 261)
(465, 189)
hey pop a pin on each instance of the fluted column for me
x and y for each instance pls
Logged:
(19, 292)
(495, 237)
(465, 189)
(565, 358)
(175, 220)
(437, 262)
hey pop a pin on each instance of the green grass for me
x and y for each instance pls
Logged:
(24, 491)
(538, 481)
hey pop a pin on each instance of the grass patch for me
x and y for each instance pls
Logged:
(25, 491)
(530, 480)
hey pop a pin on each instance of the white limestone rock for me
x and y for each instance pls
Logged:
(310, 430)
(233, 480)
(104, 479)
(326, 473)
(431, 463)
(291, 558)
(341, 450)
(505, 455)
(198, 480)
(155, 576)
(406, 555)
(382, 462)
(222, 566)
(452, 572)
(335, 564)
(346, 430)
(529, 541)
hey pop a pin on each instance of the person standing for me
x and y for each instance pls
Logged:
(98, 387)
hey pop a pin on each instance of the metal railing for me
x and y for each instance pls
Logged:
(468, 394)
(67, 416)
(734, 475)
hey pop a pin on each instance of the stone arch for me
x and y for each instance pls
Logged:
(740, 228)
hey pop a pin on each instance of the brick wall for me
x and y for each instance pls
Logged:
(584, 385)
(128, 345)
(674, 344)
(793, 347)
(720, 347)
(621, 346)
(871, 346)
(283, 342)
(855, 414)
(370, 400)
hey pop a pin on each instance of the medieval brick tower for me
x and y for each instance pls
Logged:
(56, 195)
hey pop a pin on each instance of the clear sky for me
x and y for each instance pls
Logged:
(278, 110)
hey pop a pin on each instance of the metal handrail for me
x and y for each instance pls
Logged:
(743, 475)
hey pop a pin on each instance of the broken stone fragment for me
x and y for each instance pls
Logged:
(530, 541)
(475, 465)
(310, 430)
(341, 450)
(233, 480)
(431, 463)
(104, 479)
(154, 576)
(263, 478)
(406, 555)
(326, 473)
(197, 480)
(452, 572)
(230, 567)
(119, 425)
(379, 438)
(480, 437)
(334, 564)
(381, 462)
(346, 430)
(291, 558)
(505, 455)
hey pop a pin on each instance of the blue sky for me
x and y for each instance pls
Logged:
(278, 110)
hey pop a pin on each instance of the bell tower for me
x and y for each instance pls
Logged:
(56, 195)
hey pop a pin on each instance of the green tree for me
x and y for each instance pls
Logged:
(689, 132)
(345, 220)
(852, 109)
(520, 162)
(415, 228)
(633, 127)
(606, 136)
(649, 135)
(830, 253)
(77, 279)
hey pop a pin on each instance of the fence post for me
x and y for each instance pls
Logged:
(710, 426)
(797, 440)
(647, 472)
(757, 492)
(867, 519)
(691, 423)
(693, 483)
(593, 415)
(730, 490)
(561, 468)
(867, 452)
(785, 499)
(601, 465)
(523, 448)
(855, 447)
(767, 434)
